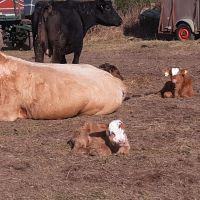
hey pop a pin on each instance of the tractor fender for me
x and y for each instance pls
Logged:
(189, 22)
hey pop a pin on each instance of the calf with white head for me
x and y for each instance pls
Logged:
(181, 83)
(116, 132)
(101, 139)
(117, 137)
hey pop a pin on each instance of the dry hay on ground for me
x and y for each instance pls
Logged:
(164, 134)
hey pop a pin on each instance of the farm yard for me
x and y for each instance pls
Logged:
(164, 134)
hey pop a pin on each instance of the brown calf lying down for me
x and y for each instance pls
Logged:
(111, 69)
(180, 84)
(101, 139)
(55, 91)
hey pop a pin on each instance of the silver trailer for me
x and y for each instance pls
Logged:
(180, 17)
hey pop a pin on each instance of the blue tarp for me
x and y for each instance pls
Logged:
(29, 6)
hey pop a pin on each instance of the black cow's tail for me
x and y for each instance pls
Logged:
(42, 34)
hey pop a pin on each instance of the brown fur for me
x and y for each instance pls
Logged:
(93, 139)
(180, 85)
(55, 91)
(111, 69)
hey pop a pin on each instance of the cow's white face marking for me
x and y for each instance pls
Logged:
(115, 129)
(175, 71)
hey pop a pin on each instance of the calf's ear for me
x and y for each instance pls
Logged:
(184, 72)
(166, 71)
(122, 126)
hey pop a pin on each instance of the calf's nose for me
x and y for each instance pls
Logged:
(173, 80)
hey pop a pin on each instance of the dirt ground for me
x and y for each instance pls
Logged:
(164, 134)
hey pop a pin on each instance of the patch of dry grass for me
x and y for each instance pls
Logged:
(124, 43)
(36, 162)
(102, 33)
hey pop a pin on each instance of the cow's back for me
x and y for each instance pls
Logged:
(77, 89)
(55, 91)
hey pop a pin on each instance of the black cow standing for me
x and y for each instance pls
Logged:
(59, 27)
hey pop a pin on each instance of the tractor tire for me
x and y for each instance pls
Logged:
(184, 33)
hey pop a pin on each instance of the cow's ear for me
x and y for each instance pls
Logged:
(122, 126)
(184, 72)
(166, 71)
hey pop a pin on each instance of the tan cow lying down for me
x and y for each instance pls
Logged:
(100, 139)
(55, 91)
(180, 84)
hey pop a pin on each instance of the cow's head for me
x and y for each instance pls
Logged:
(111, 69)
(106, 14)
(116, 133)
(176, 74)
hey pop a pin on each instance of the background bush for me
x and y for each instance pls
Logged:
(127, 5)
(129, 10)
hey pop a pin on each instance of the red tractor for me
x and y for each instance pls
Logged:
(15, 23)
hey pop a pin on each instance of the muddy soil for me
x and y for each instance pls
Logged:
(164, 161)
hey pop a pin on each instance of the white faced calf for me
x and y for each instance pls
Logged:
(180, 85)
(101, 139)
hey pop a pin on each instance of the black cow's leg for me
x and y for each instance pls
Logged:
(39, 57)
(56, 58)
(76, 57)
(39, 53)
(63, 60)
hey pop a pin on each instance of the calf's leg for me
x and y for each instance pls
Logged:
(123, 150)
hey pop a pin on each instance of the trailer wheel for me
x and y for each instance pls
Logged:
(184, 33)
